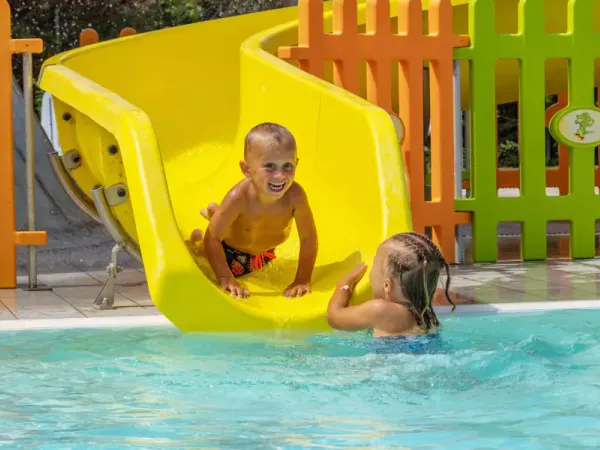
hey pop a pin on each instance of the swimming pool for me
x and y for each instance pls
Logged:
(516, 380)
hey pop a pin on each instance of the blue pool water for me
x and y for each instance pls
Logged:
(511, 381)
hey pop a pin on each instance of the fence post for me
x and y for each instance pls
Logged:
(9, 237)
(458, 154)
(90, 36)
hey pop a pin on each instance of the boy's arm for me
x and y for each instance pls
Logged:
(220, 222)
(307, 232)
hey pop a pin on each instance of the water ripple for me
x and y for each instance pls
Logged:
(527, 380)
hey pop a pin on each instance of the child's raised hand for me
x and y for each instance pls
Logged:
(354, 275)
(231, 285)
(297, 289)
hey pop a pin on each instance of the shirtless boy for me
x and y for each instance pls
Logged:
(256, 215)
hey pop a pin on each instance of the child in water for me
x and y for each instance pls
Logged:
(404, 277)
(256, 215)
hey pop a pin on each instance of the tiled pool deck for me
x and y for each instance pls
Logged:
(72, 294)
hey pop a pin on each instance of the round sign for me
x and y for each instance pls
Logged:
(398, 126)
(577, 126)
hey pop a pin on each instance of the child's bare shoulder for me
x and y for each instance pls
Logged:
(384, 309)
(238, 194)
(391, 315)
(378, 307)
(297, 194)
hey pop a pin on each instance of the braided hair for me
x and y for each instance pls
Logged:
(416, 262)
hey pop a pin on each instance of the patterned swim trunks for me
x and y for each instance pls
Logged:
(242, 263)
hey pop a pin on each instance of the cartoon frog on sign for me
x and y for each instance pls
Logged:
(584, 122)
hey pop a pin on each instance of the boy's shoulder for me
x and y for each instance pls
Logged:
(239, 190)
(297, 192)
(237, 196)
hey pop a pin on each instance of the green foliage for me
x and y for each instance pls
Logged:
(508, 138)
(508, 135)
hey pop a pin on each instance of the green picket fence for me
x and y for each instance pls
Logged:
(532, 46)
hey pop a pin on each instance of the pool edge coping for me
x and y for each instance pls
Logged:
(162, 321)
(502, 308)
(85, 322)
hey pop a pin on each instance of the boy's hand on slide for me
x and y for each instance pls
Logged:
(354, 275)
(231, 285)
(297, 289)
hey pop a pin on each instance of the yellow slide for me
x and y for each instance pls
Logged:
(165, 114)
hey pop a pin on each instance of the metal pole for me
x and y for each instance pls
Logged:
(30, 164)
(458, 152)
(458, 133)
(426, 124)
(468, 149)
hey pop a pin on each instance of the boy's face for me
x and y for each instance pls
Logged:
(271, 167)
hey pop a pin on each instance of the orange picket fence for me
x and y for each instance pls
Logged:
(9, 236)
(380, 46)
(90, 36)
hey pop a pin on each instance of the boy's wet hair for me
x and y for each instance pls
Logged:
(278, 133)
(416, 263)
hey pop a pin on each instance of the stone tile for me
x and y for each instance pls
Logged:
(590, 289)
(68, 279)
(137, 294)
(483, 276)
(507, 266)
(439, 299)
(564, 293)
(35, 305)
(5, 313)
(575, 281)
(574, 267)
(583, 277)
(591, 262)
(16, 298)
(153, 310)
(459, 281)
(496, 294)
(527, 267)
(126, 277)
(521, 283)
(82, 298)
(47, 312)
(543, 275)
(476, 268)
(551, 276)
(90, 311)
(85, 296)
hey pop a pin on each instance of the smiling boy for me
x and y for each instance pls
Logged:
(256, 215)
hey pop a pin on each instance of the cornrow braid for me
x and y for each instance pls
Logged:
(418, 271)
(440, 258)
